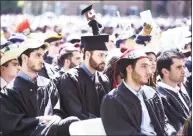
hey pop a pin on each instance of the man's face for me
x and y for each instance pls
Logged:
(55, 47)
(76, 59)
(35, 60)
(177, 70)
(141, 73)
(12, 69)
(97, 60)
(153, 62)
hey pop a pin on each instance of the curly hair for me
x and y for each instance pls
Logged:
(109, 70)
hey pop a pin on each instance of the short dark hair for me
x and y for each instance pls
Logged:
(61, 59)
(28, 52)
(133, 64)
(165, 60)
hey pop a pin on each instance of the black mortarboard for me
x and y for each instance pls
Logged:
(95, 42)
(86, 9)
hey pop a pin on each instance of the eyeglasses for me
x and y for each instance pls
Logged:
(57, 43)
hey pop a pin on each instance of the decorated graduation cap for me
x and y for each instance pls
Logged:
(95, 42)
(127, 58)
(144, 37)
(90, 15)
(146, 17)
(86, 10)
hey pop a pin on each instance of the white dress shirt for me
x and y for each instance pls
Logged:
(3, 83)
(146, 127)
(176, 90)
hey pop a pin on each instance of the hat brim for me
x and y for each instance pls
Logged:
(53, 39)
(10, 55)
(32, 46)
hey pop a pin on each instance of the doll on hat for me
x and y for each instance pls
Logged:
(144, 36)
(91, 17)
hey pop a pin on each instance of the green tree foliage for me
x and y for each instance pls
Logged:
(10, 7)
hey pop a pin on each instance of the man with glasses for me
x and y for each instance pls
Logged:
(83, 87)
(55, 41)
(9, 64)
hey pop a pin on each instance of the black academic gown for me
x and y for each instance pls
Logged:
(80, 96)
(95, 26)
(121, 112)
(26, 106)
(174, 108)
(47, 71)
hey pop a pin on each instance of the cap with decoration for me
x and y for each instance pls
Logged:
(8, 53)
(126, 59)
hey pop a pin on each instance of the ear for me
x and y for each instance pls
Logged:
(24, 57)
(165, 72)
(67, 62)
(2, 68)
(87, 54)
(129, 69)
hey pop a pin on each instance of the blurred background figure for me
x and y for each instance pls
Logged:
(55, 41)
(9, 64)
(68, 58)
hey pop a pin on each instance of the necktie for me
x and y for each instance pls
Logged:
(186, 99)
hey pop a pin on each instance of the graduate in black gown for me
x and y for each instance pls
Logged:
(133, 108)
(83, 87)
(177, 104)
(30, 104)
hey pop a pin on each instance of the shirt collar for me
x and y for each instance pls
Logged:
(26, 77)
(3, 83)
(164, 85)
(83, 66)
(132, 90)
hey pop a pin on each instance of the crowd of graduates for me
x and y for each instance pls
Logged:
(138, 81)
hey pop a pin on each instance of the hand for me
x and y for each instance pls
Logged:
(47, 119)
(147, 29)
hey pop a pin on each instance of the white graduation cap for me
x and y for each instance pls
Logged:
(146, 17)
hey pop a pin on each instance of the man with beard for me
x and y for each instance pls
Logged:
(134, 108)
(83, 87)
(171, 68)
(30, 104)
(69, 57)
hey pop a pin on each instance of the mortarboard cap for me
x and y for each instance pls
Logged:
(86, 10)
(96, 42)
